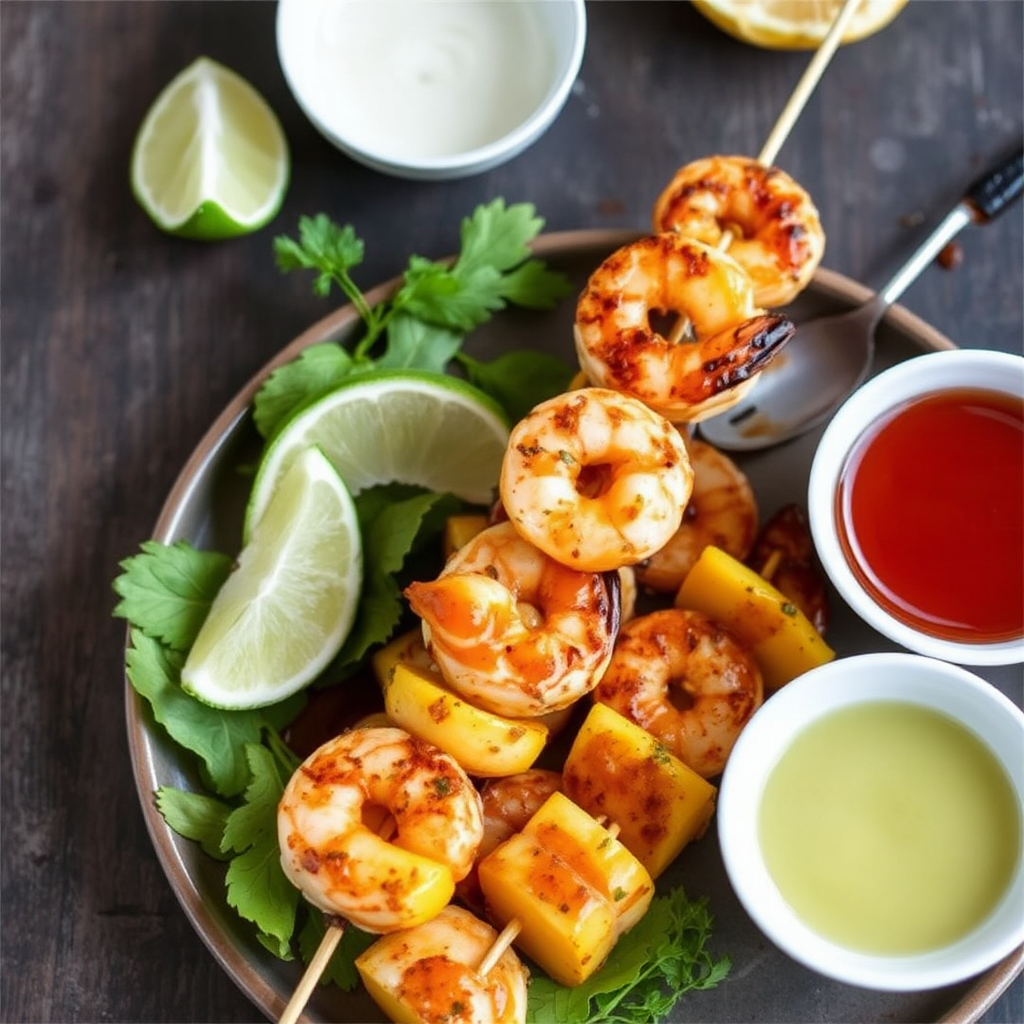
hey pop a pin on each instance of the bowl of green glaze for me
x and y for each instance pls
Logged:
(870, 819)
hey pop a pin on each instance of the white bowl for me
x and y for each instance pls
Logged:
(908, 678)
(431, 89)
(914, 378)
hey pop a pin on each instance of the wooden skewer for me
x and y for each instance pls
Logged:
(324, 952)
(790, 112)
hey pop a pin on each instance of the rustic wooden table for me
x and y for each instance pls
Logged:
(120, 346)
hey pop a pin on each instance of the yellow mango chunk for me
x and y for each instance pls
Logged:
(484, 744)
(565, 925)
(573, 887)
(460, 530)
(781, 637)
(618, 770)
(421, 975)
(595, 855)
(408, 649)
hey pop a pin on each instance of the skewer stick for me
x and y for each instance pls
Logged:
(505, 938)
(790, 112)
(324, 952)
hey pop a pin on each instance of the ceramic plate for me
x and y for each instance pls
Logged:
(206, 507)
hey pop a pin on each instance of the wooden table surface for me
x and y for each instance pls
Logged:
(121, 345)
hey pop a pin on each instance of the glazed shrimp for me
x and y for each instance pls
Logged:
(514, 631)
(595, 479)
(687, 681)
(722, 511)
(345, 867)
(776, 235)
(431, 973)
(668, 275)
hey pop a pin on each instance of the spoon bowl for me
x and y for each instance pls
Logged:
(830, 357)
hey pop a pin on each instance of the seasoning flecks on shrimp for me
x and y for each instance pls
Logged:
(667, 275)
(513, 630)
(776, 234)
(431, 974)
(343, 866)
(722, 511)
(687, 681)
(596, 479)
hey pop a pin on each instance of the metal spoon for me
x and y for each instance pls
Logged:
(829, 357)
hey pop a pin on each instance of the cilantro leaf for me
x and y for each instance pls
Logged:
(195, 816)
(217, 737)
(416, 344)
(518, 380)
(166, 591)
(257, 886)
(498, 236)
(390, 529)
(651, 967)
(535, 286)
(317, 370)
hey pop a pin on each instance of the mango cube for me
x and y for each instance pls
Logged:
(460, 530)
(782, 639)
(617, 770)
(571, 884)
(409, 649)
(484, 744)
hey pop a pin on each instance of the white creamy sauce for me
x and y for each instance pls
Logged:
(426, 78)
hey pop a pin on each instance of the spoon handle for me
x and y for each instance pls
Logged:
(986, 197)
(994, 191)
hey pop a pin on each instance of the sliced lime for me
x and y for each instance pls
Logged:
(427, 429)
(287, 608)
(210, 159)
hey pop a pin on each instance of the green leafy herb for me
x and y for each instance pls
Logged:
(168, 590)
(664, 956)
(195, 816)
(422, 325)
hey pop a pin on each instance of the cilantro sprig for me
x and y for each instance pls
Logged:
(664, 956)
(424, 323)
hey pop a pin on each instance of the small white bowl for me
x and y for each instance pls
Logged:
(907, 678)
(914, 378)
(431, 89)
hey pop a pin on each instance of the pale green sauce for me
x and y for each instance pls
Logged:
(890, 828)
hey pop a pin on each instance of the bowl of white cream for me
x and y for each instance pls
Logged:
(431, 89)
(870, 818)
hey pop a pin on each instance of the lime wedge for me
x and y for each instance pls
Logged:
(285, 611)
(428, 429)
(210, 159)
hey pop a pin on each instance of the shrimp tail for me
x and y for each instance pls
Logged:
(746, 350)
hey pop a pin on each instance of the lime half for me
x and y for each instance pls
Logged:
(285, 611)
(428, 429)
(210, 159)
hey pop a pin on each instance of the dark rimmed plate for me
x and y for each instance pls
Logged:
(206, 506)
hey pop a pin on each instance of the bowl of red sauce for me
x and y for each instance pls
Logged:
(916, 505)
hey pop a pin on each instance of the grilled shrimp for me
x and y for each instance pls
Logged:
(345, 867)
(595, 479)
(668, 275)
(722, 511)
(514, 631)
(431, 973)
(687, 681)
(776, 235)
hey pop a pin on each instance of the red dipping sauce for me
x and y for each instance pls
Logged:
(930, 508)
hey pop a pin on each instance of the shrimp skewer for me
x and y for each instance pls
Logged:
(513, 630)
(767, 221)
(687, 681)
(662, 275)
(595, 479)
